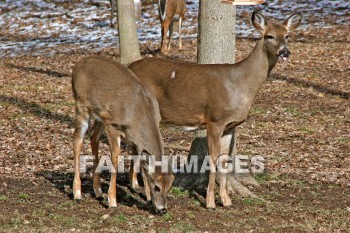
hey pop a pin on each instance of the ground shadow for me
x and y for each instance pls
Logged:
(36, 109)
(37, 70)
(317, 87)
(62, 180)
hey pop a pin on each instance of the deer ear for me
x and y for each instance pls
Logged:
(293, 21)
(144, 161)
(259, 21)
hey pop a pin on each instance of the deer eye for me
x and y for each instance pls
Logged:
(270, 37)
(287, 37)
(156, 189)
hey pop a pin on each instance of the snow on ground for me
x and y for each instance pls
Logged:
(37, 26)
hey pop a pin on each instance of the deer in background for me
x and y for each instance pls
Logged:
(114, 7)
(217, 97)
(170, 12)
(121, 106)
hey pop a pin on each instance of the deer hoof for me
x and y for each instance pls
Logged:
(98, 193)
(112, 203)
(226, 201)
(77, 195)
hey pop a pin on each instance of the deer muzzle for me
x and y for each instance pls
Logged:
(161, 211)
(284, 53)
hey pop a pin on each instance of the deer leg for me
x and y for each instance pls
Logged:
(227, 145)
(171, 29)
(81, 127)
(214, 134)
(146, 185)
(225, 198)
(165, 28)
(112, 12)
(134, 168)
(180, 33)
(114, 139)
(97, 131)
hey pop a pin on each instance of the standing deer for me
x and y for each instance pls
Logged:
(170, 11)
(137, 5)
(216, 96)
(113, 8)
(122, 107)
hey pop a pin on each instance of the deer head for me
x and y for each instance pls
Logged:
(159, 179)
(275, 35)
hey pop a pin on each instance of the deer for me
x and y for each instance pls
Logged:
(170, 12)
(113, 8)
(121, 106)
(216, 97)
(137, 5)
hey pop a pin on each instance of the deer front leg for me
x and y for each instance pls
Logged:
(113, 7)
(228, 147)
(214, 134)
(134, 168)
(180, 33)
(81, 126)
(171, 29)
(225, 198)
(146, 185)
(114, 137)
(165, 28)
(97, 131)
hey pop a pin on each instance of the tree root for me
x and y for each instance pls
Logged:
(240, 189)
(177, 147)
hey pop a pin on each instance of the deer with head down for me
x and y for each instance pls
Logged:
(121, 106)
(217, 97)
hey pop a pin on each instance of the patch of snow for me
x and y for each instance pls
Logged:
(40, 24)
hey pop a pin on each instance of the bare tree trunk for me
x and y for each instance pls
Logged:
(128, 41)
(216, 44)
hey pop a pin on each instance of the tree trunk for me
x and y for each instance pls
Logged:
(128, 41)
(216, 45)
(216, 32)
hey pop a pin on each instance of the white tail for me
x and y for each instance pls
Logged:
(112, 95)
(170, 11)
(219, 96)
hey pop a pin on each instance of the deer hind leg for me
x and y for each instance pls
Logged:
(81, 127)
(97, 131)
(114, 139)
(134, 168)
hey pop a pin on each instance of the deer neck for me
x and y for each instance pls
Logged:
(257, 67)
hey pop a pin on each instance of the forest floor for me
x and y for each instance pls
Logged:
(299, 123)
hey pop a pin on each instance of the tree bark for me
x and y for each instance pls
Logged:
(216, 32)
(216, 45)
(128, 41)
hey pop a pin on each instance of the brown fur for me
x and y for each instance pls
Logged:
(112, 95)
(219, 96)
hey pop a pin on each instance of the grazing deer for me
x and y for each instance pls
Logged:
(170, 11)
(216, 96)
(122, 107)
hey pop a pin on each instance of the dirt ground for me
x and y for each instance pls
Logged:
(299, 123)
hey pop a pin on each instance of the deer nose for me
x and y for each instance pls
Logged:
(284, 52)
(162, 211)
